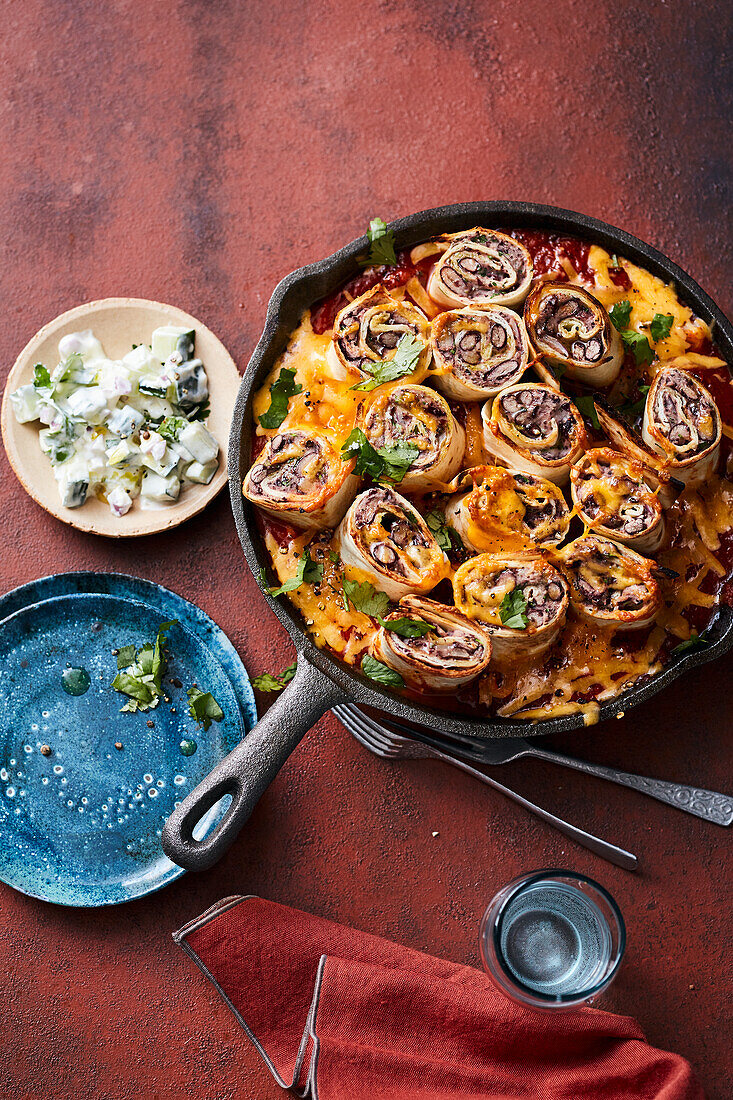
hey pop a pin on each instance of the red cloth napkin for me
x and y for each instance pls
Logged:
(352, 1016)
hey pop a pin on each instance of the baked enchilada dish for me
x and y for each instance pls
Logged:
(493, 470)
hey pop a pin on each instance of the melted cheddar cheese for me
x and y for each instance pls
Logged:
(591, 665)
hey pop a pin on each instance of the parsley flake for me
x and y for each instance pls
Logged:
(512, 611)
(380, 672)
(282, 389)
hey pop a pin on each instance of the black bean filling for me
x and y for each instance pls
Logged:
(535, 412)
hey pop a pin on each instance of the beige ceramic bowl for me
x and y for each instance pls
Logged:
(118, 323)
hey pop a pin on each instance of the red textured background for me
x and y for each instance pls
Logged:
(196, 152)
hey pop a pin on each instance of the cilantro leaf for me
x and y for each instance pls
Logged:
(140, 674)
(308, 572)
(381, 239)
(587, 406)
(171, 427)
(268, 682)
(632, 410)
(404, 362)
(282, 389)
(642, 349)
(693, 642)
(512, 611)
(365, 597)
(203, 707)
(620, 314)
(440, 529)
(41, 377)
(381, 673)
(384, 463)
(406, 628)
(661, 326)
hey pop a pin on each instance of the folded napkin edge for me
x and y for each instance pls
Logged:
(209, 914)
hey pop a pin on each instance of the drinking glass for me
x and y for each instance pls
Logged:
(552, 939)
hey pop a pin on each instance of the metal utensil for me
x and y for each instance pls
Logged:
(708, 805)
(392, 746)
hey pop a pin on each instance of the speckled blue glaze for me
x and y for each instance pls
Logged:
(82, 826)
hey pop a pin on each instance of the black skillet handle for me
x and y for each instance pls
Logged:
(248, 770)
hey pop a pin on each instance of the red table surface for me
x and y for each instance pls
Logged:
(196, 153)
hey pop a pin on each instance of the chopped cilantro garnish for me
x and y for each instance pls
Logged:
(171, 428)
(620, 314)
(661, 326)
(203, 707)
(268, 682)
(282, 389)
(404, 362)
(693, 642)
(380, 464)
(308, 572)
(381, 240)
(406, 628)
(141, 671)
(41, 377)
(364, 597)
(375, 670)
(442, 533)
(512, 611)
(642, 349)
(587, 406)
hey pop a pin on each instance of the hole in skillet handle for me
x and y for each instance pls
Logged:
(248, 770)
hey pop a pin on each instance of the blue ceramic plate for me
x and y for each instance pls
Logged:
(82, 825)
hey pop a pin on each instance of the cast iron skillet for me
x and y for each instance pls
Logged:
(323, 680)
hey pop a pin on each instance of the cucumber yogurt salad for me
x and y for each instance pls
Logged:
(123, 428)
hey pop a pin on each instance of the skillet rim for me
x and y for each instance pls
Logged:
(296, 292)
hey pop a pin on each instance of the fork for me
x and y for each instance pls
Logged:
(708, 805)
(392, 746)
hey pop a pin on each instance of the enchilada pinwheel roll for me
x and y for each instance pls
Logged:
(478, 352)
(521, 599)
(453, 653)
(301, 479)
(535, 429)
(367, 333)
(481, 267)
(682, 424)
(610, 584)
(570, 328)
(418, 417)
(506, 510)
(616, 497)
(383, 539)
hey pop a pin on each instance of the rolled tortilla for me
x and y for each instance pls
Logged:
(299, 478)
(383, 539)
(455, 651)
(682, 424)
(615, 496)
(479, 351)
(610, 584)
(481, 267)
(481, 585)
(367, 332)
(418, 417)
(534, 428)
(570, 328)
(508, 510)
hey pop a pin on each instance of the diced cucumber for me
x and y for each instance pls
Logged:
(153, 385)
(123, 453)
(169, 340)
(124, 421)
(160, 489)
(190, 385)
(140, 360)
(26, 404)
(202, 472)
(199, 441)
(89, 403)
(73, 481)
(57, 445)
(161, 466)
